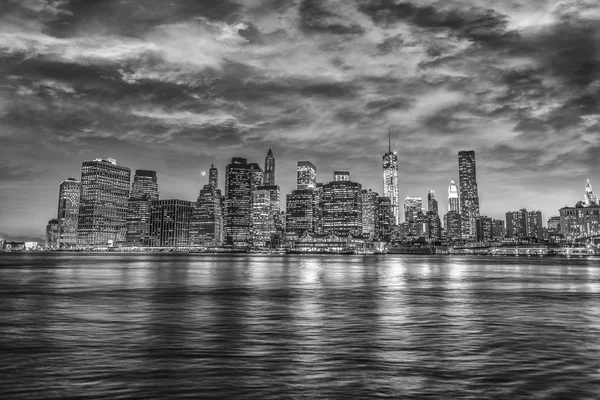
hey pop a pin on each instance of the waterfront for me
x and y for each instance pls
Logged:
(281, 326)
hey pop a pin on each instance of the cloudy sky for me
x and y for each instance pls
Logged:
(177, 85)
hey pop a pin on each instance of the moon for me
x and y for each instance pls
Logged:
(203, 173)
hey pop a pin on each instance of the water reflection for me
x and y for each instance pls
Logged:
(233, 326)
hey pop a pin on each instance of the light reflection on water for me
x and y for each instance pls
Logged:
(232, 326)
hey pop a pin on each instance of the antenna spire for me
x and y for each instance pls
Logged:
(389, 140)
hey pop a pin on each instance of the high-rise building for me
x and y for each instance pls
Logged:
(239, 179)
(52, 234)
(498, 231)
(144, 190)
(432, 204)
(300, 211)
(307, 175)
(213, 176)
(258, 176)
(369, 211)
(68, 212)
(524, 224)
(103, 203)
(583, 220)
(145, 185)
(342, 207)
(484, 229)
(413, 206)
(469, 197)
(433, 227)
(452, 225)
(385, 221)
(270, 169)
(170, 223)
(554, 225)
(390, 180)
(318, 209)
(453, 197)
(206, 223)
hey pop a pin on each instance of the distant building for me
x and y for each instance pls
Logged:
(484, 229)
(390, 180)
(469, 196)
(432, 204)
(453, 204)
(342, 206)
(524, 224)
(554, 225)
(103, 205)
(170, 223)
(240, 178)
(583, 220)
(433, 228)
(213, 176)
(270, 169)
(307, 175)
(452, 225)
(498, 230)
(206, 224)
(413, 206)
(68, 212)
(385, 220)
(144, 190)
(300, 211)
(52, 234)
(369, 211)
(265, 213)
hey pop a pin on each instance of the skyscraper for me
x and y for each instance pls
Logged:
(103, 203)
(144, 190)
(170, 223)
(258, 176)
(213, 176)
(452, 225)
(390, 180)
(342, 208)
(238, 192)
(413, 206)
(300, 211)
(269, 169)
(52, 234)
(432, 204)
(453, 197)
(469, 197)
(307, 175)
(206, 224)
(384, 223)
(369, 211)
(68, 212)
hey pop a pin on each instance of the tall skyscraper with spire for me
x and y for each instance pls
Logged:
(269, 169)
(469, 197)
(453, 197)
(390, 179)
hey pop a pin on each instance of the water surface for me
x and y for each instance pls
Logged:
(131, 326)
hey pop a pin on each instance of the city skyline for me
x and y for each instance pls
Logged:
(180, 87)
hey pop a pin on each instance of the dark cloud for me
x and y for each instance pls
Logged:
(314, 18)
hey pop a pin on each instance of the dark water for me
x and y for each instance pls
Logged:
(300, 327)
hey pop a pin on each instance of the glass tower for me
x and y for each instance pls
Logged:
(68, 212)
(469, 197)
(390, 180)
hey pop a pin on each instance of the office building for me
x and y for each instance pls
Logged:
(68, 212)
(103, 205)
(432, 204)
(342, 206)
(390, 180)
(413, 206)
(524, 224)
(300, 211)
(369, 211)
(469, 196)
(269, 169)
(554, 225)
(452, 226)
(498, 231)
(206, 223)
(52, 234)
(170, 223)
(385, 221)
(144, 190)
(306, 175)
(453, 197)
(239, 179)
(484, 229)
(213, 176)
(583, 220)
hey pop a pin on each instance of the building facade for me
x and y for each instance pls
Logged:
(206, 224)
(390, 180)
(413, 206)
(144, 190)
(453, 203)
(52, 234)
(239, 180)
(452, 226)
(103, 205)
(170, 223)
(68, 212)
(306, 175)
(469, 196)
(270, 169)
(369, 211)
(583, 220)
(342, 208)
(385, 220)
